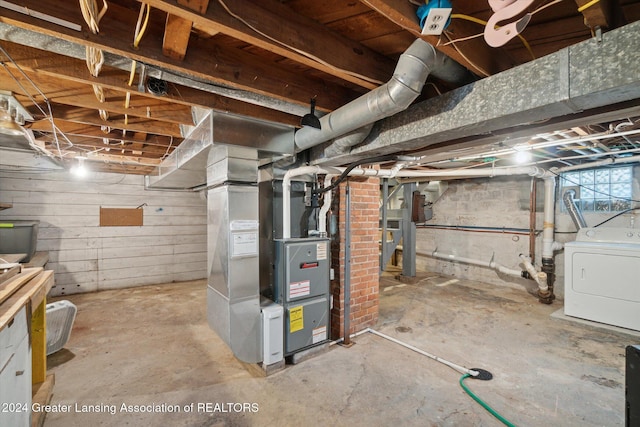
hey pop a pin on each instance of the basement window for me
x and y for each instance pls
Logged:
(602, 189)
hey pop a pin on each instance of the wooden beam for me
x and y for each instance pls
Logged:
(289, 34)
(597, 15)
(206, 61)
(177, 30)
(474, 54)
(96, 131)
(60, 66)
(151, 147)
(126, 149)
(176, 37)
(91, 117)
(39, 343)
(81, 95)
(121, 166)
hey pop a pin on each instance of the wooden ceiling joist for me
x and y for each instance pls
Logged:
(177, 30)
(474, 54)
(91, 117)
(96, 132)
(74, 70)
(83, 146)
(82, 95)
(228, 67)
(274, 27)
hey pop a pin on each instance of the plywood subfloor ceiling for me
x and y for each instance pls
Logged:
(262, 59)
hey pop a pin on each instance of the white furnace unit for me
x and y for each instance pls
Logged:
(602, 276)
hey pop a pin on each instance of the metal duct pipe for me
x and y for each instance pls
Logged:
(396, 95)
(574, 212)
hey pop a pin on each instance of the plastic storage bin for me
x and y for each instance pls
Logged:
(18, 237)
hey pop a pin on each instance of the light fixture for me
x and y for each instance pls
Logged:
(79, 170)
(311, 119)
(522, 156)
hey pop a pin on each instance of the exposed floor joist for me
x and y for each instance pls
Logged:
(232, 68)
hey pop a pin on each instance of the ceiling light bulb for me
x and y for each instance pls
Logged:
(522, 157)
(79, 170)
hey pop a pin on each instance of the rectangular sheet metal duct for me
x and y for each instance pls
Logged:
(233, 292)
(186, 166)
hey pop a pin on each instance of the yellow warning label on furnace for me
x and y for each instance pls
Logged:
(296, 319)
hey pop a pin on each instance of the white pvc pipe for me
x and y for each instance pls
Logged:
(489, 264)
(326, 205)
(549, 217)
(462, 173)
(458, 368)
(392, 173)
(286, 193)
(539, 276)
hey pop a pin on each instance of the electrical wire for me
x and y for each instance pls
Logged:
(49, 116)
(478, 229)
(482, 22)
(94, 56)
(587, 5)
(482, 403)
(461, 39)
(352, 166)
(296, 50)
(141, 27)
(166, 153)
(616, 216)
(473, 64)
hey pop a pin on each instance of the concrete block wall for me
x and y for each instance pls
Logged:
(501, 202)
(498, 202)
(170, 246)
(365, 263)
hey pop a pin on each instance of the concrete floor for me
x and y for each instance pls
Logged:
(152, 345)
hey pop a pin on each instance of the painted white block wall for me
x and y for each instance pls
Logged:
(171, 245)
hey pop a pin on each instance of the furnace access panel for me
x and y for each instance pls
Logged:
(301, 285)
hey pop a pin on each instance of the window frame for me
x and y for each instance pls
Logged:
(592, 198)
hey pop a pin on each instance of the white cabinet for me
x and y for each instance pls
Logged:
(15, 372)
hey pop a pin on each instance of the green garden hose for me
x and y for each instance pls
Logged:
(482, 403)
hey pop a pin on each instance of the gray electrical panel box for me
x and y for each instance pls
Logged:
(301, 285)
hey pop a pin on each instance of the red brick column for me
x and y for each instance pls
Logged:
(365, 261)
